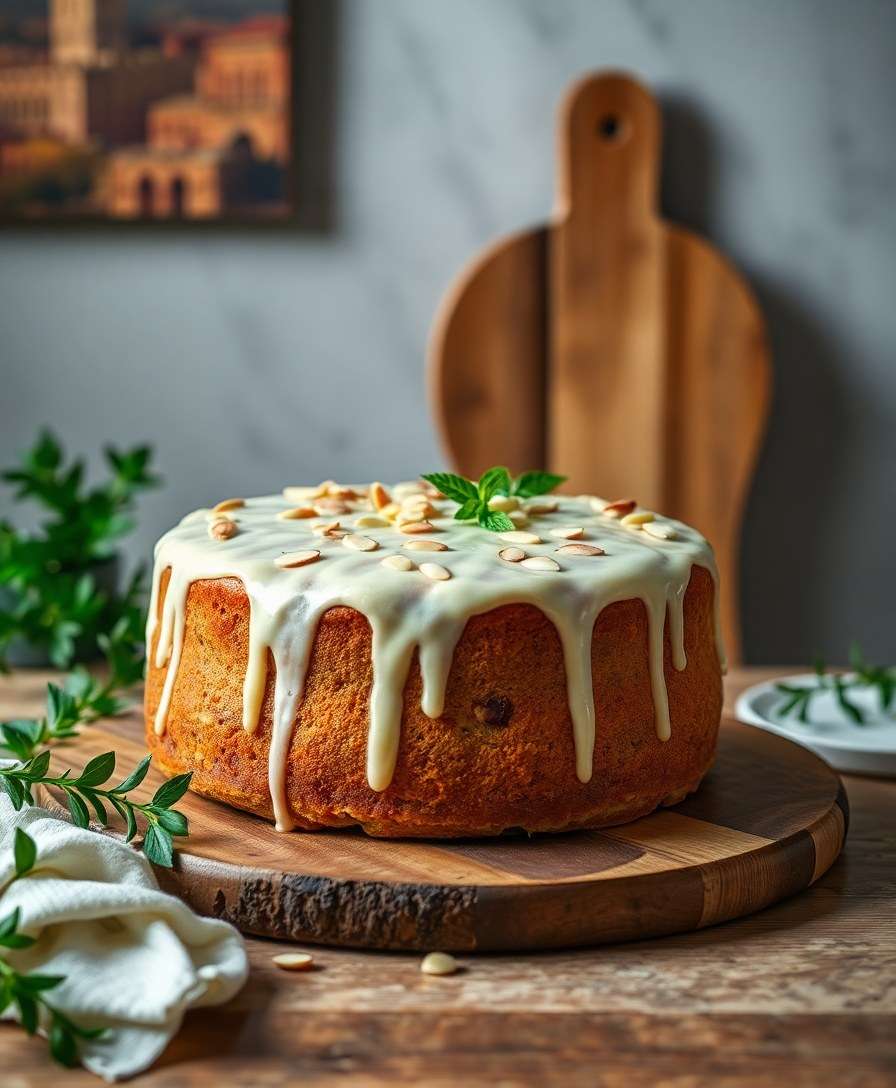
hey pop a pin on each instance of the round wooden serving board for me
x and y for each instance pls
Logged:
(770, 818)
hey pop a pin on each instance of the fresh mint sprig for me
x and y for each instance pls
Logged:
(86, 792)
(473, 498)
(27, 992)
(798, 700)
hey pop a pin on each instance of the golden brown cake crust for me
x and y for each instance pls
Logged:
(500, 757)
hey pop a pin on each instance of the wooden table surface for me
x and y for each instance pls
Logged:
(803, 993)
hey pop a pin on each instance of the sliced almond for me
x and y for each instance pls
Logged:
(222, 529)
(228, 504)
(293, 961)
(540, 563)
(407, 487)
(519, 518)
(567, 532)
(425, 545)
(379, 496)
(391, 511)
(580, 549)
(435, 572)
(517, 537)
(295, 513)
(635, 521)
(415, 527)
(596, 504)
(541, 506)
(340, 491)
(371, 521)
(504, 503)
(296, 559)
(325, 528)
(397, 562)
(511, 555)
(660, 531)
(438, 963)
(323, 488)
(417, 511)
(360, 543)
(619, 508)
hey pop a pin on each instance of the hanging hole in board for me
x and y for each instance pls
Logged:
(611, 128)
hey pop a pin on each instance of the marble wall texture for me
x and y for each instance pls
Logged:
(255, 359)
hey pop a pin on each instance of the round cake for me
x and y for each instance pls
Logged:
(345, 655)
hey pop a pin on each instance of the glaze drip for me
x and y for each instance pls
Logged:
(408, 611)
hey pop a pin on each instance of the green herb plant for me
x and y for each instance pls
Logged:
(88, 791)
(473, 498)
(48, 579)
(28, 992)
(797, 700)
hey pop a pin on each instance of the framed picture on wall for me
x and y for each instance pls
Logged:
(145, 110)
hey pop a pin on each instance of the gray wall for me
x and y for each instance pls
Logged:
(254, 359)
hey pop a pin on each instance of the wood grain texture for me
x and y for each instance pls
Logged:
(746, 839)
(609, 345)
(801, 995)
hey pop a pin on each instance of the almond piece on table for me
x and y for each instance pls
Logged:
(580, 549)
(293, 961)
(330, 506)
(228, 504)
(540, 563)
(222, 529)
(519, 518)
(515, 536)
(567, 532)
(540, 506)
(512, 555)
(438, 963)
(435, 572)
(425, 545)
(360, 543)
(371, 521)
(397, 562)
(296, 559)
(415, 527)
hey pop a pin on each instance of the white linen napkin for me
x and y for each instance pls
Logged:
(135, 959)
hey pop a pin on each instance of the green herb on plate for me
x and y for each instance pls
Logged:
(473, 498)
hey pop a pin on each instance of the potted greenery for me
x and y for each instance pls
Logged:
(60, 595)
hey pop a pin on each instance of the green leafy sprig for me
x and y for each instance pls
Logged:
(51, 597)
(28, 992)
(473, 498)
(87, 791)
(798, 700)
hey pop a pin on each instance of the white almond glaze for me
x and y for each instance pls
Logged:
(406, 610)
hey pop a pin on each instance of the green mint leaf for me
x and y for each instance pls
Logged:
(27, 1011)
(14, 790)
(98, 770)
(136, 776)
(174, 822)
(10, 923)
(468, 511)
(24, 852)
(170, 792)
(16, 941)
(158, 847)
(536, 483)
(38, 984)
(63, 1047)
(39, 765)
(496, 481)
(495, 521)
(80, 815)
(453, 486)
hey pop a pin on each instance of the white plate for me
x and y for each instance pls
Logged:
(859, 749)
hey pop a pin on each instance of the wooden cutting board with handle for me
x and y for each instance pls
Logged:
(609, 345)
